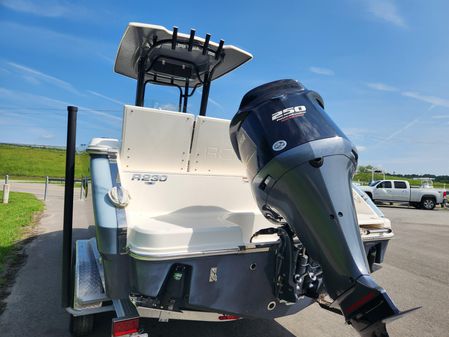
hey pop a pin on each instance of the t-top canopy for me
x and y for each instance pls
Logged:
(169, 58)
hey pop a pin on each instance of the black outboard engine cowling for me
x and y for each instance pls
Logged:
(301, 165)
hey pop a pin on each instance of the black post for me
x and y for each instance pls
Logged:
(140, 91)
(186, 96)
(191, 38)
(205, 95)
(67, 285)
(174, 39)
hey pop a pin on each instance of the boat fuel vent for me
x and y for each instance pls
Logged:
(119, 196)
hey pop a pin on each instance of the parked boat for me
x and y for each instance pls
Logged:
(190, 225)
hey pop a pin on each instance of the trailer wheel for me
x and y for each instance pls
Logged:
(81, 325)
(371, 257)
(428, 203)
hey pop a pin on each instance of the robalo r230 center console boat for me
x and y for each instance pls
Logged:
(202, 218)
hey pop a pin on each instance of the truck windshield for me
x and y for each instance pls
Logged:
(373, 182)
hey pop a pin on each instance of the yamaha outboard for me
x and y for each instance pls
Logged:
(300, 165)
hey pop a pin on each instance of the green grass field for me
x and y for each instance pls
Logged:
(14, 218)
(31, 163)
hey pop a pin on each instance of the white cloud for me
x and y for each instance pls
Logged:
(406, 126)
(60, 45)
(214, 102)
(44, 8)
(402, 129)
(322, 71)
(218, 105)
(387, 11)
(381, 86)
(25, 100)
(361, 148)
(110, 99)
(38, 75)
(434, 100)
(440, 117)
(112, 118)
(6, 71)
(168, 107)
(108, 59)
(31, 79)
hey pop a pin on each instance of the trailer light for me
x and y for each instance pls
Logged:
(123, 327)
(228, 317)
(356, 305)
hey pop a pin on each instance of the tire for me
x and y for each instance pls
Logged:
(81, 325)
(371, 257)
(428, 203)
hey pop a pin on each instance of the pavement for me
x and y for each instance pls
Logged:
(33, 307)
(415, 273)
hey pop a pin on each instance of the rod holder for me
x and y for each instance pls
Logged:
(206, 44)
(219, 49)
(191, 38)
(174, 37)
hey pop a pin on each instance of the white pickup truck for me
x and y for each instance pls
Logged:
(400, 191)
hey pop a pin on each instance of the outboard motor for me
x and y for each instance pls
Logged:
(301, 165)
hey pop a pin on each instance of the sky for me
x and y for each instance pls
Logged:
(382, 67)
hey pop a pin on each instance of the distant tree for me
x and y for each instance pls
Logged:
(364, 169)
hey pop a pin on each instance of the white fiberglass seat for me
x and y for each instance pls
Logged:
(187, 187)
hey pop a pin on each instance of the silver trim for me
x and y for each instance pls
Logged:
(115, 177)
(119, 212)
(89, 286)
(379, 237)
(90, 311)
(124, 308)
(163, 257)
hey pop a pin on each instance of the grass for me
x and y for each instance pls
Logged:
(15, 218)
(33, 163)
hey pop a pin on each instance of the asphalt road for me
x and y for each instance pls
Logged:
(415, 273)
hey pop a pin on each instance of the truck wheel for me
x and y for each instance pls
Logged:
(428, 203)
(81, 325)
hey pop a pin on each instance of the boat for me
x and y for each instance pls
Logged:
(188, 226)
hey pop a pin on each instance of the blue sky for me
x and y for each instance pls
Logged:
(382, 67)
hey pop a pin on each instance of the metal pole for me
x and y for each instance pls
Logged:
(205, 95)
(5, 193)
(81, 189)
(186, 96)
(140, 90)
(6, 179)
(68, 208)
(46, 188)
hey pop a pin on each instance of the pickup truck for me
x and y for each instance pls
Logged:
(400, 191)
